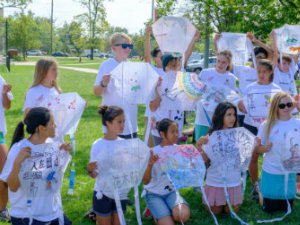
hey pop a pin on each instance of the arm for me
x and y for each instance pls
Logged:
(202, 141)
(99, 89)
(190, 48)
(241, 107)
(217, 37)
(261, 44)
(259, 148)
(5, 99)
(155, 103)
(147, 47)
(275, 48)
(13, 178)
(91, 169)
(147, 175)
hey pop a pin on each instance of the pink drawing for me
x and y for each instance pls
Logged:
(210, 78)
(72, 104)
(49, 104)
(40, 98)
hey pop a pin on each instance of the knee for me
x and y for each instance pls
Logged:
(217, 210)
(181, 213)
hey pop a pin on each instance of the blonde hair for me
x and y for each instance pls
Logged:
(41, 70)
(118, 37)
(272, 118)
(227, 54)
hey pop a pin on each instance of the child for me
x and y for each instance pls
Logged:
(284, 72)
(171, 64)
(4, 103)
(113, 117)
(263, 86)
(44, 84)
(225, 117)
(272, 134)
(218, 77)
(40, 126)
(165, 204)
(105, 87)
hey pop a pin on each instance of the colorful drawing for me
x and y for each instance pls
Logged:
(290, 155)
(173, 34)
(134, 82)
(183, 164)
(288, 39)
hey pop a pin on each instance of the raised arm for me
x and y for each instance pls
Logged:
(147, 175)
(147, 46)
(190, 48)
(217, 37)
(275, 48)
(261, 44)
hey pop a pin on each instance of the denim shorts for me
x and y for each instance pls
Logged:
(106, 206)
(162, 205)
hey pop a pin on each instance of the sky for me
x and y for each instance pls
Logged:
(131, 14)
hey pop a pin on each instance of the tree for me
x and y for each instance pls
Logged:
(77, 38)
(23, 32)
(14, 3)
(94, 20)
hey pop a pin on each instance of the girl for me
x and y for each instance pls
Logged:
(171, 65)
(40, 126)
(216, 78)
(272, 134)
(113, 118)
(225, 117)
(264, 88)
(44, 84)
(5, 100)
(165, 204)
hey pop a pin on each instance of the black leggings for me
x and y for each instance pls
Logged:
(273, 205)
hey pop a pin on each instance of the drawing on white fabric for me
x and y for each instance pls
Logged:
(290, 156)
(238, 45)
(67, 110)
(288, 39)
(123, 166)
(183, 164)
(231, 149)
(135, 81)
(41, 176)
(173, 34)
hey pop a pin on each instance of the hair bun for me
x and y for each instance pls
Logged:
(102, 109)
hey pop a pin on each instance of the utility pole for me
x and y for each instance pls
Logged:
(206, 43)
(6, 47)
(51, 33)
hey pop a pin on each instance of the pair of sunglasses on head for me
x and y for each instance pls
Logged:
(124, 45)
(282, 105)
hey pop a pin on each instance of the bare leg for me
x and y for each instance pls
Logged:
(181, 213)
(253, 168)
(167, 220)
(3, 185)
(104, 220)
(236, 209)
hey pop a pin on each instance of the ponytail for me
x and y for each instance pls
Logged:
(18, 134)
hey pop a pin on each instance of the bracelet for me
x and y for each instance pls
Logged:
(102, 85)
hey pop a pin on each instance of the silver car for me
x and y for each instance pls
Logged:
(197, 65)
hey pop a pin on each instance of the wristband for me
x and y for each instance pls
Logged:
(102, 85)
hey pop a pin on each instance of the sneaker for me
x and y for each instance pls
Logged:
(147, 214)
(4, 215)
(255, 190)
(90, 214)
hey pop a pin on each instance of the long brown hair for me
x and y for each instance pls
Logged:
(41, 69)
(272, 118)
(227, 54)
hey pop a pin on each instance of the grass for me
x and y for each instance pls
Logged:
(89, 130)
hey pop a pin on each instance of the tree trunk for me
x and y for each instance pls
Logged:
(92, 53)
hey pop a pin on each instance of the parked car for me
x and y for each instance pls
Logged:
(34, 53)
(197, 65)
(60, 54)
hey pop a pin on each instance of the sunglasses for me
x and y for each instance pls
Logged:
(124, 46)
(282, 106)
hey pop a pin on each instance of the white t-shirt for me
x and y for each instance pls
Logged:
(178, 116)
(160, 182)
(257, 100)
(99, 149)
(271, 163)
(216, 80)
(110, 96)
(286, 80)
(246, 76)
(18, 199)
(2, 115)
(214, 172)
(36, 95)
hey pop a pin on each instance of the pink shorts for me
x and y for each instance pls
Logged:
(216, 195)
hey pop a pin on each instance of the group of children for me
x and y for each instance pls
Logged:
(120, 122)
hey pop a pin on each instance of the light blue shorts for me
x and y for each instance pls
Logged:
(162, 205)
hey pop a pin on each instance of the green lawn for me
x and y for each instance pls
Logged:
(88, 131)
